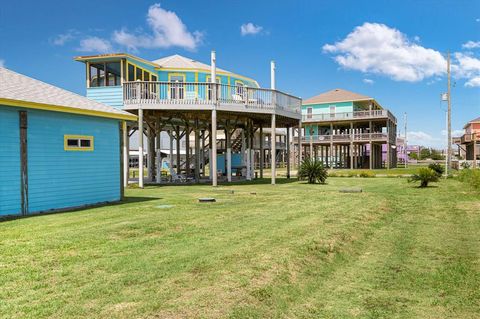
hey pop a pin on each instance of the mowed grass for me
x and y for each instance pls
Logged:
(288, 251)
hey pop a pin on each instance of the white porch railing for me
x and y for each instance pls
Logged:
(364, 137)
(198, 93)
(348, 116)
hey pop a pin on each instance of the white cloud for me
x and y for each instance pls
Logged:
(425, 139)
(2, 63)
(167, 30)
(455, 133)
(63, 38)
(95, 44)
(250, 28)
(471, 45)
(468, 67)
(377, 48)
(368, 81)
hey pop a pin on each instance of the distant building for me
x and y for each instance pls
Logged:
(58, 149)
(469, 143)
(344, 129)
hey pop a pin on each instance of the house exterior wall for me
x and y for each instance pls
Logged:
(113, 95)
(110, 95)
(58, 178)
(340, 107)
(9, 161)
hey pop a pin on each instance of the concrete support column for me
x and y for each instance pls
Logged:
(262, 152)
(126, 150)
(288, 151)
(140, 148)
(214, 148)
(273, 149)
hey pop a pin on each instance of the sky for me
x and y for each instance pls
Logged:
(393, 51)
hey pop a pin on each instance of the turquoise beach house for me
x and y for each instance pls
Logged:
(58, 150)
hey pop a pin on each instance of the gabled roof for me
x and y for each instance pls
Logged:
(477, 120)
(177, 61)
(20, 90)
(337, 95)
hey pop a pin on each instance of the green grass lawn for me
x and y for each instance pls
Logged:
(289, 251)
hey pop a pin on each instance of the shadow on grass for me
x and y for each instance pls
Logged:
(126, 200)
(258, 181)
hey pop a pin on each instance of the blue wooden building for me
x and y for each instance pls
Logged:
(58, 150)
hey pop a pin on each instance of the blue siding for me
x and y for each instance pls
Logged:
(61, 179)
(340, 107)
(9, 161)
(110, 95)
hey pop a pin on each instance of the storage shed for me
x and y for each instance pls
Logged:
(58, 150)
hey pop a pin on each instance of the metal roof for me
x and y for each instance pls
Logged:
(17, 87)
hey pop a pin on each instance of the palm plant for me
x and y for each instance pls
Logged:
(424, 175)
(312, 171)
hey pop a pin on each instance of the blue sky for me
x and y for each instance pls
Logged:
(392, 51)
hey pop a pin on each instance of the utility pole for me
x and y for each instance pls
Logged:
(405, 142)
(449, 118)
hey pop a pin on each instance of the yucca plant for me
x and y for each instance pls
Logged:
(313, 171)
(437, 168)
(424, 175)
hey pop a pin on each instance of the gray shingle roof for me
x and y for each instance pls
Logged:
(178, 61)
(337, 95)
(15, 86)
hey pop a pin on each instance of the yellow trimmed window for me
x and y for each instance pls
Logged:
(78, 143)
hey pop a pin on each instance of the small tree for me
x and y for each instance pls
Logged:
(312, 171)
(437, 168)
(424, 175)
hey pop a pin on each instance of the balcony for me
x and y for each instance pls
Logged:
(204, 96)
(349, 116)
(346, 138)
(467, 138)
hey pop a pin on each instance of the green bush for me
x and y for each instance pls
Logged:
(366, 174)
(470, 177)
(424, 175)
(312, 171)
(437, 168)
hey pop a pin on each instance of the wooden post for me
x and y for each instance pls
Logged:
(158, 155)
(228, 146)
(273, 149)
(170, 138)
(178, 161)
(262, 152)
(213, 173)
(247, 151)
(197, 152)
(288, 151)
(299, 144)
(187, 150)
(125, 153)
(474, 150)
(140, 148)
(202, 158)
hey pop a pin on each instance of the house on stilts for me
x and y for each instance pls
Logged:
(223, 114)
(344, 129)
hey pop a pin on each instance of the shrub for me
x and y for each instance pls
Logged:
(366, 174)
(424, 175)
(437, 168)
(312, 171)
(470, 177)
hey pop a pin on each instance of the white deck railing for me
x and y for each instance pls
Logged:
(198, 93)
(345, 137)
(348, 116)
